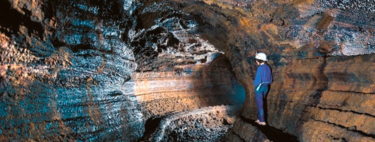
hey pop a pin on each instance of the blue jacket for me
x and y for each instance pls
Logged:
(263, 75)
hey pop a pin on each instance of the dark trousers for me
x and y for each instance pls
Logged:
(259, 97)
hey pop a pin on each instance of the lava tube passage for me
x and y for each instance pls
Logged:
(187, 70)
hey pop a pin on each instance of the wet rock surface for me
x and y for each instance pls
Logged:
(97, 70)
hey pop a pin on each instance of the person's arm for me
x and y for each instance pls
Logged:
(257, 80)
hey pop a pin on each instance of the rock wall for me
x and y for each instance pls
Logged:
(63, 73)
(321, 56)
(96, 70)
(160, 93)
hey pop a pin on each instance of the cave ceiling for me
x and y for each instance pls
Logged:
(106, 70)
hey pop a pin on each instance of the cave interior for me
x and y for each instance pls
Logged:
(172, 70)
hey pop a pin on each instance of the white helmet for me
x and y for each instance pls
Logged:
(261, 56)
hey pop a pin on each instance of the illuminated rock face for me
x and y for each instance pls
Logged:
(106, 70)
(320, 91)
(89, 70)
(68, 83)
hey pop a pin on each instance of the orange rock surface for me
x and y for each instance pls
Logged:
(98, 70)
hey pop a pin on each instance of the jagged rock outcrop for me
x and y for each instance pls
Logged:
(67, 83)
(206, 124)
(97, 70)
(94, 71)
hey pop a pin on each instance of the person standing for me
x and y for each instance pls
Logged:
(263, 78)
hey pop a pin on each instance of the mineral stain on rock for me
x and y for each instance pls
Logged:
(151, 70)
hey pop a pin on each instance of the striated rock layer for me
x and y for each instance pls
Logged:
(94, 71)
(320, 54)
(100, 70)
(321, 92)
(63, 70)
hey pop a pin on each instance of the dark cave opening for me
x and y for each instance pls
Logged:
(151, 126)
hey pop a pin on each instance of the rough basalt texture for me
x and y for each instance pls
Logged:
(206, 124)
(63, 72)
(93, 71)
(243, 131)
(320, 54)
(97, 70)
(310, 45)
